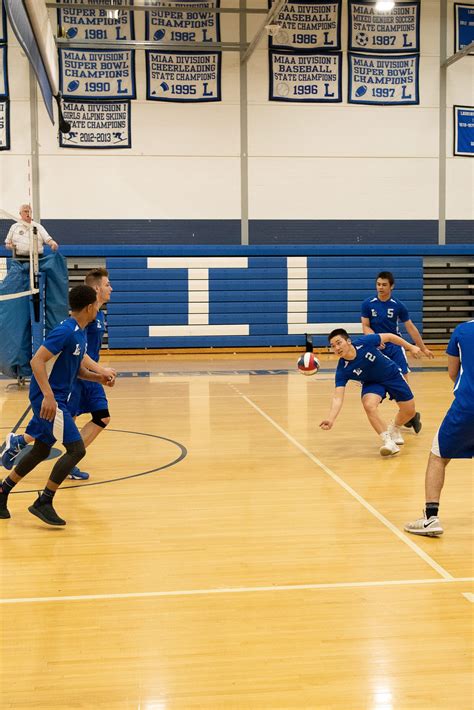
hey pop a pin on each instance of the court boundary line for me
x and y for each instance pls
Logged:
(340, 481)
(237, 590)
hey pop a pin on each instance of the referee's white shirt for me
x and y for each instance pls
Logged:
(19, 236)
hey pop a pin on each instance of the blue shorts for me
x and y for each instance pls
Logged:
(398, 355)
(63, 429)
(455, 437)
(396, 388)
(87, 397)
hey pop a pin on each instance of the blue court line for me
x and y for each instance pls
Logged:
(274, 371)
(224, 373)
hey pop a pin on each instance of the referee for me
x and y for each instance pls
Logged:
(18, 237)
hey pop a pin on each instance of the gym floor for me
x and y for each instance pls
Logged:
(227, 553)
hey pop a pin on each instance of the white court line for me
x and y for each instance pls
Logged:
(235, 590)
(404, 538)
(469, 596)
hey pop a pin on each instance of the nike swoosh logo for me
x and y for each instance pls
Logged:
(426, 525)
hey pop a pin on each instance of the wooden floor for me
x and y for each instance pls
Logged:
(234, 555)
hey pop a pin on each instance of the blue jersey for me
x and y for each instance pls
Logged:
(94, 334)
(370, 364)
(384, 317)
(461, 345)
(68, 341)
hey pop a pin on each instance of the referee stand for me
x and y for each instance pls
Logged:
(33, 300)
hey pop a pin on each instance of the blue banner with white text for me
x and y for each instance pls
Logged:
(463, 26)
(464, 130)
(3, 71)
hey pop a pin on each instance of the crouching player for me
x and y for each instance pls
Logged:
(360, 360)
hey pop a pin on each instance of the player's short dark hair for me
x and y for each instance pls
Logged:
(388, 276)
(81, 296)
(94, 276)
(338, 331)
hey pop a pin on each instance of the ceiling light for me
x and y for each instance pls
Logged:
(384, 5)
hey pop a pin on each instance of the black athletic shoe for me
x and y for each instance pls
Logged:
(4, 512)
(46, 513)
(416, 423)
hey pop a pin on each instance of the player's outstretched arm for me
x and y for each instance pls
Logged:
(366, 329)
(415, 334)
(336, 406)
(397, 340)
(38, 365)
(94, 366)
(85, 374)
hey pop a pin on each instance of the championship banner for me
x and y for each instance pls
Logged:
(464, 130)
(383, 80)
(96, 124)
(305, 76)
(5, 125)
(308, 25)
(3, 24)
(183, 25)
(96, 23)
(183, 76)
(383, 32)
(97, 73)
(3, 71)
(463, 26)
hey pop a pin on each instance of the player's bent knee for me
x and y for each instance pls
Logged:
(369, 405)
(101, 418)
(75, 450)
(38, 453)
(41, 450)
(409, 408)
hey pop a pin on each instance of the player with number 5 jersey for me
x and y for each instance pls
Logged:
(382, 314)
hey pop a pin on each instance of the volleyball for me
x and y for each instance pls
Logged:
(308, 364)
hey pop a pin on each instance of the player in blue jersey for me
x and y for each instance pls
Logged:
(86, 396)
(455, 437)
(52, 420)
(382, 314)
(90, 397)
(361, 360)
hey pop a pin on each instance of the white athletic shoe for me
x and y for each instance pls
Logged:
(396, 434)
(430, 527)
(389, 447)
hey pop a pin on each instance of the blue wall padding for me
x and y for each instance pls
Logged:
(15, 324)
(15, 328)
(256, 296)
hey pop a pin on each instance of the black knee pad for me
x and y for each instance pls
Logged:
(39, 452)
(98, 415)
(75, 451)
